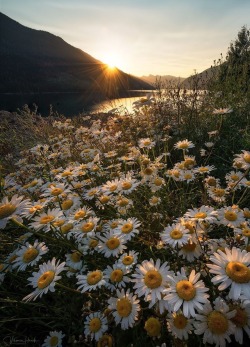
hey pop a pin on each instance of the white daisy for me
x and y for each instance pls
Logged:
(29, 255)
(111, 244)
(179, 325)
(128, 228)
(186, 292)
(146, 143)
(243, 159)
(11, 208)
(46, 219)
(54, 339)
(45, 279)
(74, 260)
(93, 280)
(184, 145)
(150, 279)
(128, 259)
(232, 269)
(214, 323)
(241, 320)
(116, 276)
(201, 214)
(230, 216)
(128, 184)
(125, 308)
(175, 235)
(95, 325)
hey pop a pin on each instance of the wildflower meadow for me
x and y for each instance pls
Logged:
(130, 229)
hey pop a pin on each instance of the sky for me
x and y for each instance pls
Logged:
(140, 37)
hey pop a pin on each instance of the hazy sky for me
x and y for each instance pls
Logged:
(165, 37)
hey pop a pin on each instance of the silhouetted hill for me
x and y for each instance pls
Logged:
(36, 61)
(165, 79)
(200, 80)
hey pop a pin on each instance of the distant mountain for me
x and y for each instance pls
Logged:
(163, 79)
(36, 61)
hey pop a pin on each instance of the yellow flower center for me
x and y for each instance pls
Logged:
(128, 260)
(154, 200)
(158, 181)
(113, 187)
(203, 169)
(238, 272)
(146, 142)
(176, 234)
(6, 210)
(93, 243)
(180, 321)
(104, 199)
(94, 277)
(211, 182)
(95, 325)
(123, 307)
(45, 279)
(148, 171)
(230, 215)
(75, 257)
(113, 243)
(246, 213)
(153, 327)
(187, 176)
(66, 228)
(47, 219)
(219, 192)
(246, 157)
(56, 191)
(113, 225)
(66, 204)
(127, 228)
(116, 275)
(58, 223)
(123, 202)
(92, 192)
(126, 185)
(30, 254)
(241, 318)
(189, 162)
(246, 232)
(217, 323)
(67, 173)
(35, 208)
(87, 227)
(234, 177)
(185, 290)
(80, 214)
(200, 215)
(176, 173)
(153, 279)
(53, 342)
(183, 145)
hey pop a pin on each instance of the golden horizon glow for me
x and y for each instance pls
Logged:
(112, 60)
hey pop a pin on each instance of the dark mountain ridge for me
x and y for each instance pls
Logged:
(35, 61)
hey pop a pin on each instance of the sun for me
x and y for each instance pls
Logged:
(112, 60)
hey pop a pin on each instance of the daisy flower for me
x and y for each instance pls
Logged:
(150, 279)
(218, 194)
(241, 320)
(230, 216)
(128, 184)
(184, 144)
(55, 190)
(232, 269)
(215, 323)
(186, 292)
(179, 325)
(81, 213)
(106, 340)
(74, 260)
(46, 219)
(146, 143)
(54, 339)
(153, 327)
(93, 280)
(111, 244)
(86, 228)
(89, 244)
(175, 235)
(45, 279)
(187, 176)
(116, 276)
(91, 193)
(202, 214)
(125, 308)
(128, 259)
(29, 255)
(111, 187)
(128, 228)
(222, 111)
(156, 183)
(154, 200)
(204, 169)
(95, 325)
(243, 159)
(11, 208)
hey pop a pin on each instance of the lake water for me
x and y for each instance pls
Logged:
(68, 104)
